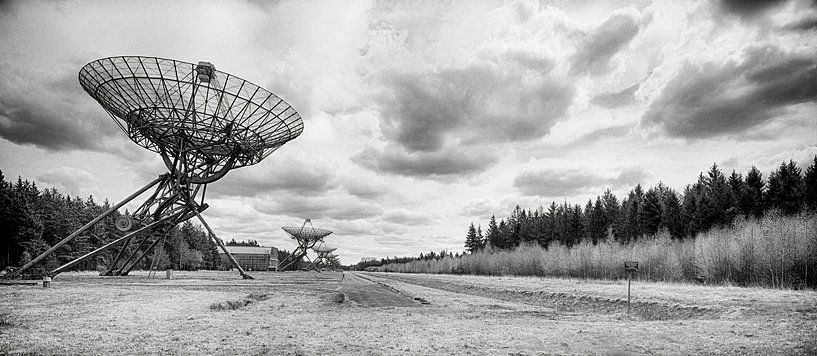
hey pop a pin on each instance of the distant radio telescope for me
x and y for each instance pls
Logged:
(306, 237)
(325, 256)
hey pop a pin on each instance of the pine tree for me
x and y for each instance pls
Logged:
(741, 192)
(611, 211)
(722, 200)
(504, 233)
(810, 182)
(597, 226)
(695, 209)
(671, 217)
(514, 228)
(652, 211)
(754, 193)
(631, 225)
(493, 235)
(786, 189)
(575, 229)
(471, 239)
(588, 209)
(480, 238)
(551, 219)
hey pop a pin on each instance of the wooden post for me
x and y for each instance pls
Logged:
(628, 291)
(629, 267)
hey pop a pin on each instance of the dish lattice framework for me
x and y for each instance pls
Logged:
(306, 233)
(201, 121)
(218, 121)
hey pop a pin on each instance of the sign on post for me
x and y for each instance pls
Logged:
(630, 267)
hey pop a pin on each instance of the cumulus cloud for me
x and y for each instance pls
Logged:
(293, 173)
(365, 189)
(361, 227)
(602, 134)
(476, 103)
(323, 207)
(433, 165)
(68, 179)
(594, 52)
(710, 100)
(616, 99)
(463, 83)
(424, 115)
(558, 183)
(407, 217)
(480, 207)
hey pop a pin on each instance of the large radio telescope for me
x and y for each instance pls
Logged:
(307, 237)
(201, 121)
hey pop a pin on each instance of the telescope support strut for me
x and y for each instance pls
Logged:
(88, 225)
(221, 244)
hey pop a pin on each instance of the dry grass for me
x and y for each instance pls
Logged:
(776, 251)
(7, 320)
(87, 314)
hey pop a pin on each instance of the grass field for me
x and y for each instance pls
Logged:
(381, 313)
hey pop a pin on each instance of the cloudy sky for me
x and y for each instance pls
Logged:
(421, 117)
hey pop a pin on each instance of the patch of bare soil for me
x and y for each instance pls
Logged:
(568, 302)
(364, 291)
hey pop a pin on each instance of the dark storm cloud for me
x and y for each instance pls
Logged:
(477, 103)
(31, 122)
(711, 100)
(51, 114)
(7, 7)
(802, 25)
(602, 43)
(559, 183)
(434, 165)
(616, 100)
(748, 8)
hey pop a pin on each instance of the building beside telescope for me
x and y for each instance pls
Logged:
(252, 258)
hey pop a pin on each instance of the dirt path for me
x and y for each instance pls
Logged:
(367, 293)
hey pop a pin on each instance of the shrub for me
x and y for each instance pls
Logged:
(776, 251)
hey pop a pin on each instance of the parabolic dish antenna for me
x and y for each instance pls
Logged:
(212, 120)
(325, 257)
(322, 247)
(201, 121)
(307, 237)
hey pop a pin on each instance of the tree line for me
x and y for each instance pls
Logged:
(428, 256)
(32, 220)
(714, 200)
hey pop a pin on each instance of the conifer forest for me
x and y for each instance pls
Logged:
(746, 229)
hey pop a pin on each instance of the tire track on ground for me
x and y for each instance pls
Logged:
(370, 293)
(646, 310)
